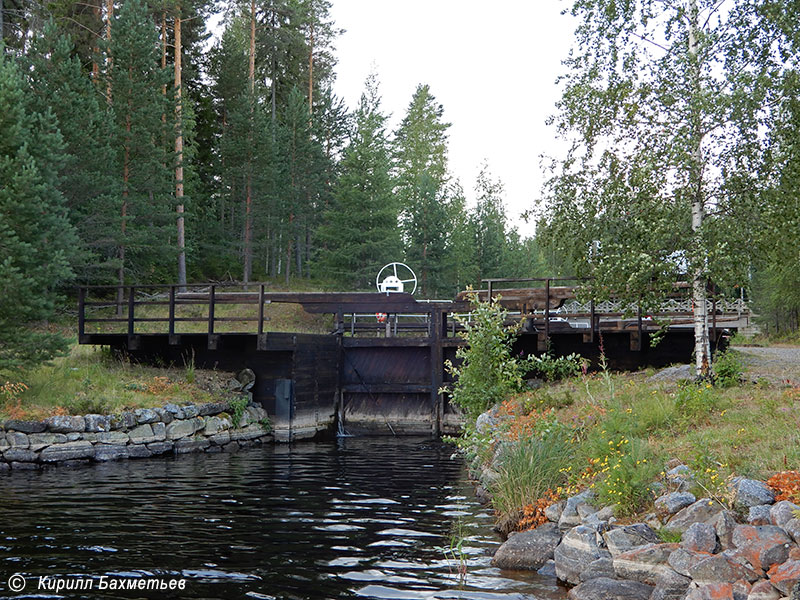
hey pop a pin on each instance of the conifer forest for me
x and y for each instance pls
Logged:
(148, 141)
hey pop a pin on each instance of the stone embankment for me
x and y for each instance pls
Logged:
(749, 550)
(141, 433)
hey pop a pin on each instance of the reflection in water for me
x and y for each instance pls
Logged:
(361, 518)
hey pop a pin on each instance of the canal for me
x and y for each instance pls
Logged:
(353, 518)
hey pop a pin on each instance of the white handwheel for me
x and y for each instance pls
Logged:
(399, 275)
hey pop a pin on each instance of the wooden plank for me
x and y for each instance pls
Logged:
(386, 388)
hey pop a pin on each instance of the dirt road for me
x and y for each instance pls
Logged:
(776, 364)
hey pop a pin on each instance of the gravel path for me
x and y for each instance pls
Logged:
(777, 364)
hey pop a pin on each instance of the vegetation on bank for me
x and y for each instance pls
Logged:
(92, 380)
(615, 433)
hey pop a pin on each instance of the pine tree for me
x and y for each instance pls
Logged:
(360, 230)
(490, 226)
(89, 175)
(421, 166)
(36, 238)
(147, 201)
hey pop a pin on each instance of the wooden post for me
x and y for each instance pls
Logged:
(489, 286)
(591, 318)
(547, 311)
(261, 309)
(211, 294)
(171, 310)
(81, 312)
(437, 364)
(131, 290)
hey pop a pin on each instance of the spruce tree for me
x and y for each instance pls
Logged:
(36, 238)
(360, 231)
(421, 166)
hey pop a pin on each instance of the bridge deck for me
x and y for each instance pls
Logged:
(379, 362)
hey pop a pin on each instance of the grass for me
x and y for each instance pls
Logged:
(90, 380)
(625, 429)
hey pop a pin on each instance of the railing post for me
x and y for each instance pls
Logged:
(261, 309)
(171, 310)
(211, 310)
(591, 320)
(547, 311)
(489, 290)
(81, 312)
(131, 291)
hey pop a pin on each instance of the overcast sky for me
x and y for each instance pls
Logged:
(492, 65)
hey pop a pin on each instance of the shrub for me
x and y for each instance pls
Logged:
(695, 402)
(728, 369)
(552, 368)
(488, 373)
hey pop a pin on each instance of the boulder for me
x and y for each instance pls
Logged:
(605, 588)
(623, 539)
(4, 467)
(250, 432)
(782, 512)
(159, 431)
(95, 423)
(16, 439)
(68, 451)
(157, 448)
(486, 423)
(673, 502)
(725, 524)
(553, 512)
(181, 429)
(65, 424)
(763, 590)
(750, 492)
(214, 425)
(793, 529)
(712, 591)
(602, 567)
(107, 452)
(22, 455)
(143, 434)
(164, 416)
(528, 549)
(759, 515)
(192, 444)
(720, 568)
(569, 516)
(25, 426)
(23, 466)
(190, 411)
(118, 438)
(71, 437)
(785, 576)
(700, 537)
(221, 438)
(139, 451)
(212, 408)
(676, 373)
(548, 569)
(37, 441)
(146, 415)
(682, 560)
(704, 510)
(670, 585)
(577, 550)
(644, 563)
(762, 546)
(175, 410)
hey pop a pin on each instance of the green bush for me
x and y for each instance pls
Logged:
(488, 374)
(728, 369)
(552, 368)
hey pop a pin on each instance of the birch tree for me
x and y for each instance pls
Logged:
(663, 101)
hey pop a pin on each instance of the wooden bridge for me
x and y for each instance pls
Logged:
(371, 362)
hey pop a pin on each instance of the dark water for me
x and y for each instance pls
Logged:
(361, 518)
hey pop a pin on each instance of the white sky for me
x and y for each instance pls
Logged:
(491, 64)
